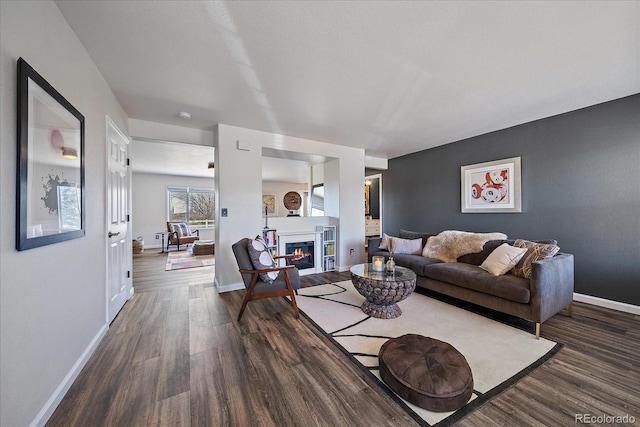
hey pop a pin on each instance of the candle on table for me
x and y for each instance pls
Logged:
(378, 263)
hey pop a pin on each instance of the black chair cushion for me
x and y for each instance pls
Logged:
(279, 284)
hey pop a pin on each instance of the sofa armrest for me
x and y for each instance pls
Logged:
(552, 281)
(373, 246)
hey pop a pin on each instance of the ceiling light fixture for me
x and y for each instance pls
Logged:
(57, 143)
(211, 166)
(69, 153)
(184, 115)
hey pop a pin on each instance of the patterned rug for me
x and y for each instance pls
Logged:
(185, 259)
(499, 355)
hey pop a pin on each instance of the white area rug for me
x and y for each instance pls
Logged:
(499, 355)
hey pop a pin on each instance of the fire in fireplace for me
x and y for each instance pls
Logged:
(302, 254)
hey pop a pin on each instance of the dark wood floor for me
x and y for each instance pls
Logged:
(175, 356)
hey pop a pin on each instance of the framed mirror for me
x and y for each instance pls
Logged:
(50, 173)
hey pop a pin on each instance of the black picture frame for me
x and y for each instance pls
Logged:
(50, 187)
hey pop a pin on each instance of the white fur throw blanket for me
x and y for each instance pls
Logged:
(451, 244)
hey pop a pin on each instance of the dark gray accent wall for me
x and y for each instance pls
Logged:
(580, 186)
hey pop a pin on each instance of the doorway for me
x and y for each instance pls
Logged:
(119, 256)
(373, 205)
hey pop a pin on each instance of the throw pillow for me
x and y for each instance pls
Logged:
(405, 246)
(384, 243)
(407, 234)
(181, 228)
(502, 259)
(535, 252)
(261, 258)
(478, 258)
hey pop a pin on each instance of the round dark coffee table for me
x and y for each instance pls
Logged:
(382, 290)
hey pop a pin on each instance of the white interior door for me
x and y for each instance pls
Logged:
(119, 257)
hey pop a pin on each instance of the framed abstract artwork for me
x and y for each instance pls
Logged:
(50, 199)
(491, 187)
(269, 206)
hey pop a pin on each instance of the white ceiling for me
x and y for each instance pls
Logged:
(177, 158)
(171, 158)
(287, 166)
(284, 170)
(390, 77)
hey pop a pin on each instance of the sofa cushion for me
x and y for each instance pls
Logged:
(417, 263)
(406, 234)
(401, 245)
(405, 246)
(383, 253)
(536, 251)
(503, 259)
(478, 258)
(510, 287)
(385, 242)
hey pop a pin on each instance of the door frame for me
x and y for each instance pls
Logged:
(377, 176)
(111, 124)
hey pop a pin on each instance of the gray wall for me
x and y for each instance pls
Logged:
(580, 186)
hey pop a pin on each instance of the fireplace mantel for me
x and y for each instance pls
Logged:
(296, 233)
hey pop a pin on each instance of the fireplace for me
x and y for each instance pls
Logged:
(310, 247)
(303, 254)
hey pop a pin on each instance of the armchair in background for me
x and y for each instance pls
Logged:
(181, 234)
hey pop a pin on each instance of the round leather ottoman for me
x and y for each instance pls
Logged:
(427, 372)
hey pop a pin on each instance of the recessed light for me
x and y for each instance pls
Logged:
(184, 115)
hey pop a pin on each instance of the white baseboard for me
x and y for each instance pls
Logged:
(158, 246)
(228, 288)
(607, 303)
(343, 268)
(57, 396)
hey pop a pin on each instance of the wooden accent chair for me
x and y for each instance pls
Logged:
(286, 284)
(181, 234)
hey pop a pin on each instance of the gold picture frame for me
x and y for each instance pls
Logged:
(269, 205)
